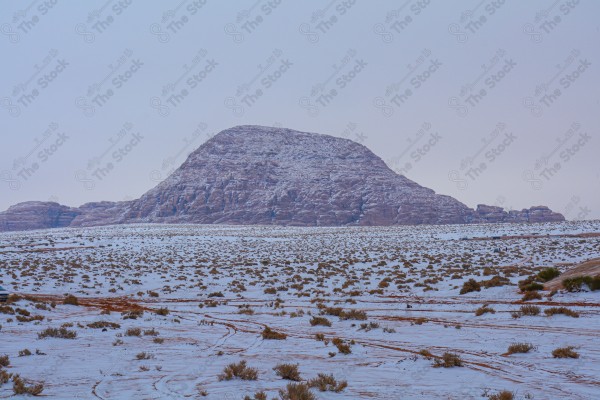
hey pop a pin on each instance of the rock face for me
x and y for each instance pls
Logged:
(494, 214)
(37, 215)
(263, 175)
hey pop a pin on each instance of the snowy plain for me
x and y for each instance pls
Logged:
(208, 292)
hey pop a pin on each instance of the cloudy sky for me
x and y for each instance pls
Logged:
(487, 101)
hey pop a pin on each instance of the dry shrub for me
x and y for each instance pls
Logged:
(448, 360)
(164, 311)
(71, 300)
(530, 310)
(4, 377)
(327, 383)
(133, 332)
(296, 391)
(61, 333)
(503, 395)
(561, 310)
(565, 352)
(533, 295)
(470, 286)
(483, 310)
(239, 370)
(103, 324)
(4, 361)
(320, 321)
(519, 348)
(20, 386)
(270, 334)
(288, 371)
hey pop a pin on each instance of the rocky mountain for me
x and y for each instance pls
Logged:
(264, 175)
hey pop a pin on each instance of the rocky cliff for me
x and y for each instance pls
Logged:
(263, 175)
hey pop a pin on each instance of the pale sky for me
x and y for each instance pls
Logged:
(489, 103)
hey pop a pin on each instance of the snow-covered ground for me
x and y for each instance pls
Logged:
(222, 285)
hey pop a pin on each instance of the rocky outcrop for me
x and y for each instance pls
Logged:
(274, 176)
(493, 214)
(37, 215)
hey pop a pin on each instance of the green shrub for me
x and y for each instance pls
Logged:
(548, 274)
(61, 333)
(576, 284)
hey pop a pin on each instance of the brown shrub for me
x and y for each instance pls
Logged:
(327, 383)
(239, 370)
(270, 334)
(448, 360)
(288, 371)
(565, 352)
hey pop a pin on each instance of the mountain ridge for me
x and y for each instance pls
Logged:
(252, 174)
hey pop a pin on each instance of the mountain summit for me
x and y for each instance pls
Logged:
(263, 175)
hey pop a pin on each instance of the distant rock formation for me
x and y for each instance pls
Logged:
(493, 214)
(274, 176)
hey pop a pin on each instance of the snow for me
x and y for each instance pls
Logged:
(119, 266)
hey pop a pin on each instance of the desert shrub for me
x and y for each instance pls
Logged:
(71, 300)
(61, 333)
(576, 284)
(470, 286)
(561, 310)
(270, 334)
(341, 346)
(530, 287)
(271, 290)
(296, 391)
(354, 314)
(216, 294)
(327, 383)
(164, 311)
(151, 332)
(530, 310)
(532, 295)
(370, 326)
(495, 282)
(548, 274)
(320, 337)
(4, 361)
(483, 310)
(257, 396)
(24, 353)
(448, 360)
(519, 348)
(288, 371)
(565, 352)
(4, 377)
(320, 321)
(503, 395)
(143, 356)
(158, 340)
(335, 311)
(239, 370)
(20, 386)
(426, 353)
(133, 314)
(133, 332)
(103, 324)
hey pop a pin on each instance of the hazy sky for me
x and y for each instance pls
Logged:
(487, 102)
